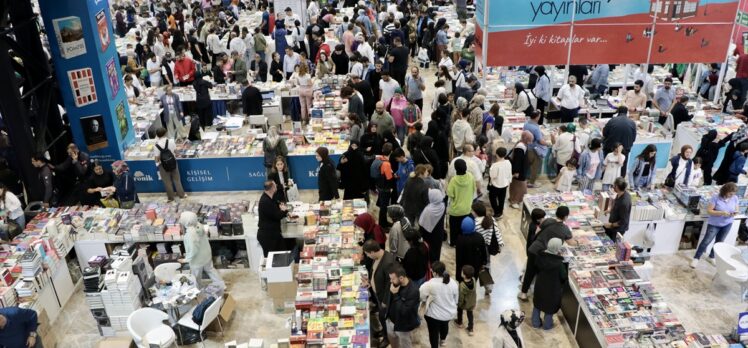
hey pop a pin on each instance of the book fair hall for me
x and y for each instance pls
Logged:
(374, 173)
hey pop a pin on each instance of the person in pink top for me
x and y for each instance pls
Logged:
(398, 103)
(348, 38)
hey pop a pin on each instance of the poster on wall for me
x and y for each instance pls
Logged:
(606, 31)
(69, 33)
(94, 132)
(111, 72)
(82, 84)
(124, 127)
(101, 23)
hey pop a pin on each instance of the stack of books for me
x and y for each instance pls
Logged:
(31, 263)
(7, 297)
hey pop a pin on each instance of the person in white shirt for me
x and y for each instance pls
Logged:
(290, 19)
(153, 65)
(213, 43)
(543, 91)
(697, 174)
(500, 175)
(571, 98)
(564, 144)
(290, 61)
(313, 9)
(357, 68)
(364, 48)
(237, 44)
(387, 85)
(10, 206)
(440, 294)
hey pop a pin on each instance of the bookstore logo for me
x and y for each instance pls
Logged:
(142, 177)
(257, 174)
(312, 173)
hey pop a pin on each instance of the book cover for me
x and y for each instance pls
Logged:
(103, 28)
(69, 33)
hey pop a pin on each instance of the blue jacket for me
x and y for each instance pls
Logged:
(125, 185)
(674, 161)
(403, 171)
(634, 177)
(738, 162)
(584, 163)
(21, 323)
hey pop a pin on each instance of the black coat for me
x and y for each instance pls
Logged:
(276, 71)
(470, 250)
(414, 198)
(680, 114)
(549, 282)
(372, 140)
(269, 225)
(252, 101)
(426, 154)
(280, 195)
(262, 70)
(327, 181)
(341, 62)
(354, 174)
(218, 75)
(202, 92)
(403, 307)
(370, 101)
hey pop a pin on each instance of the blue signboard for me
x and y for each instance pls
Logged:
(81, 42)
(224, 174)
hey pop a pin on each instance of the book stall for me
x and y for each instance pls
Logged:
(690, 133)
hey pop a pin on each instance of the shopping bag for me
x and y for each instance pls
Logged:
(110, 202)
(293, 193)
(485, 278)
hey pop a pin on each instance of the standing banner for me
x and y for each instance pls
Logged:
(535, 32)
(88, 71)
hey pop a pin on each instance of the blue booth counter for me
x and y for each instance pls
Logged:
(225, 173)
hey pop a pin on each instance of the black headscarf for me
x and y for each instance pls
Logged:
(354, 173)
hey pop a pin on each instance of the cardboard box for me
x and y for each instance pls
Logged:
(283, 295)
(227, 308)
(115, 342)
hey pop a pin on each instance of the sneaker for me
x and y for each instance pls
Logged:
(515, 205)
(711, 260)
(694, 263)
(460, 325)
(443, 343)
(470, 333)
(522, 296)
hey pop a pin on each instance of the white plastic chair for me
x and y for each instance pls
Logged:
(166, 272)
(730, 265)
(146, 326)
(211, 313)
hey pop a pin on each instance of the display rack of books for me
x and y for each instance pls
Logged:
(331, 306)
(623, 310)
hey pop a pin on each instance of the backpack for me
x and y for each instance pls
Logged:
(533, 103)
(375, 171)
(199, 312)
(168, 161)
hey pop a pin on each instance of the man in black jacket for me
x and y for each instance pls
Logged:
(259, 69)
(251, 100)
(363, 87)
(549, 228)
(402, 312)
(204, 103)
(355, 103)
(379, 278)
(680, 112)
(270, 214)
(620, 129)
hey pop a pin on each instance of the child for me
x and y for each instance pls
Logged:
(423, 58)
(500, 175)
(456, 47)
(467, 298)
(697, 174)
(738, 162)
(590, 166)
(612, 166)
(566, 176)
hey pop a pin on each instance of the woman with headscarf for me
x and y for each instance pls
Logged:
(354, 172)
(273, 146)
(441, 148)
(426, 154)
(371, 141)
(431, 223)
(564, 144)
(371, 230)
(708, 151)
(197, 249)
(549, 284)
(124, 184)
(397, 242)
(327, 177)
(475, 118)
(470, 248)
(99, 182)
(508, 336)
(520, 165)
(415, 193)
(735, 138)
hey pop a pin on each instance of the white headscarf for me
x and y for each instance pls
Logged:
(433, 212)
(192, 227)
(273, 136)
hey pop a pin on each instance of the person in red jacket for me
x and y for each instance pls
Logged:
(184, 69)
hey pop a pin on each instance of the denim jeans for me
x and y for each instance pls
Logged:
(547, 319)
(711, 233)
(401, 133)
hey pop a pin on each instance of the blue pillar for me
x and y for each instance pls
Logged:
(84, 54)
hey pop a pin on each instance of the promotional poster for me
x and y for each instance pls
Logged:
(606, 31)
